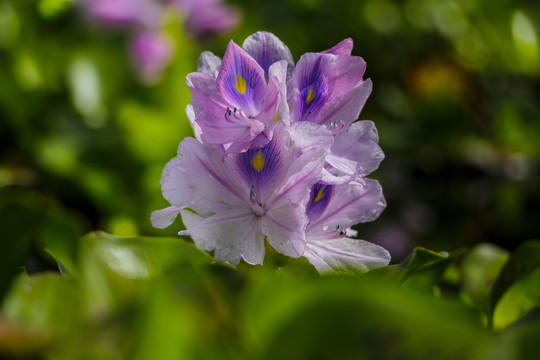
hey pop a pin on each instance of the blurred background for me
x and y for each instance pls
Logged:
(92, 106)
(93, 97)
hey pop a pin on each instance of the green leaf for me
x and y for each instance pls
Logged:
(61, 241)
(48, 304)
(116, 269)
(425, 268)
(168, 327)
(517, 301)
(39, 310)
(515, 291)
(521, 339)
(479, 269)
(358, 317)
(18, 231)
(140, 257)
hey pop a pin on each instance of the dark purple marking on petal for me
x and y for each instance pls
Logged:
(241, 80)
(314, 89)
(320, 196)
(267, 49)
(260, 168)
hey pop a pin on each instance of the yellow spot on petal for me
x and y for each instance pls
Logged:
(240, 84)
(258, 161)
(319, 195)
(310, 95)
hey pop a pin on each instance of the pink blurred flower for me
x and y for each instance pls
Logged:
(151, 53)
(207, 17)
(125, 13)
(149, 50)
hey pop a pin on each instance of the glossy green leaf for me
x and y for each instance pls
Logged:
(141, 257)
(116, 269)
(425, 268)
(517, 301)
(167, 327)
(479, 270)
(362, 318)
(518, 272)
(48, 304)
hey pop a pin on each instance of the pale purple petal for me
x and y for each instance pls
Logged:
(218, 123)
(190, 112)
(278, 73)
(209, 64)
(329, 175)
(232, 234)
(241, 80)
(347, 107)
(359, 145)
(342, 163)
(345, 254)
(357, 202)
(201, 174)
(307, 135)
(257, 142)
(191, 220)
(204, 89)
(284, 228)
(222, 126)
(344, 48)
(164, 217)
(269, 107)
(267, 49)
(303, 172)
(349, 72)
(176, 190)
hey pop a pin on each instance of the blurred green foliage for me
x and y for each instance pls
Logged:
(83, 144)
(162, 298)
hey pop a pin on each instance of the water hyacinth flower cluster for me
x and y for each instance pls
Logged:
(150, 50)
(278, 156)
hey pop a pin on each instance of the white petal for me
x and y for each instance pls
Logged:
(190, 112)
(233, 234)
(164, 217)
(284, 228)
(175, 189)
(278, 71)
(307, 135)
(345, 254)
(209, 64)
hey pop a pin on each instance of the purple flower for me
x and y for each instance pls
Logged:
(150, 53)
(236, 106)
(236, 200)
(207, 17)
(279, 156)
(125, 13)
(328, 88)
